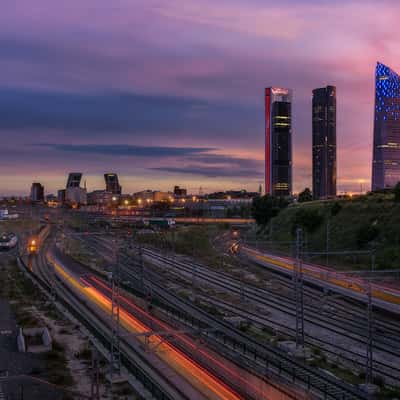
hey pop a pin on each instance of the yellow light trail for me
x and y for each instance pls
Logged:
(199, 378)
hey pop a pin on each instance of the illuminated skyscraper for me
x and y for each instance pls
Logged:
(112, 183)
(386, 149)
(324, 142)
(278, 141)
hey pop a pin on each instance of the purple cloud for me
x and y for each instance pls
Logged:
(180, 74)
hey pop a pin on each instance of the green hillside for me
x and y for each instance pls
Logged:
(361, 223)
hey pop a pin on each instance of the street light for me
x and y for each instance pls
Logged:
(139, 201)
(126, 202)
(114, 198)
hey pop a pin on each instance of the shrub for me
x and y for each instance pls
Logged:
(366, 234)
(267, 207)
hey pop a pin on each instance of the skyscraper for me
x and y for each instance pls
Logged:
(112, 183)
(386, 149)
(324, 142)
(74, 179)
(37, 192)
(278, 141)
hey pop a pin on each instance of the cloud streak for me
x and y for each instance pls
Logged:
(211, 172)
(128, 150)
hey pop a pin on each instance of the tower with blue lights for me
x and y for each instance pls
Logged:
(386, 148)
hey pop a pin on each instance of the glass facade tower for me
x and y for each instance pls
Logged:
(324, 142)
(386, 147)
(74, 179)
(278, 141)
(112, 183)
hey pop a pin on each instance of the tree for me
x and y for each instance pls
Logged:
(307, 218)
(397, 193)
(266, 207)
(305, 195)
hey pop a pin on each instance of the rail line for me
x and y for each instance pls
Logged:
(355, 286)
(351, 330)
(380, 367)
(79, 311)
(268, 357)
(42, 273)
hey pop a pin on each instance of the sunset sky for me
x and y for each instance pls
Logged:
(168, 92)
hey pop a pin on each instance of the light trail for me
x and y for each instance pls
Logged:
(207, 384)
(174, 357)
(353, 284)
(236, 376)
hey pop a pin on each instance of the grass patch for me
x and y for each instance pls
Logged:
(361, 223)
(57, 366)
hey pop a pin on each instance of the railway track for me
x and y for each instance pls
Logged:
(353, 358)
(385, 332)
(352, 330)
(268, 357)
(130, 358)
(43, 272)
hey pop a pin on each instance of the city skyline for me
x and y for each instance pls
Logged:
(97, 95)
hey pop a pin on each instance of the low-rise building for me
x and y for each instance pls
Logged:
(75, 196)
(99, 197)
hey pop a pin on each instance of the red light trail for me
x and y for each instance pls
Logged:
(214, 361)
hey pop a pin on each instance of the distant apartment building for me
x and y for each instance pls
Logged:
(180, 192)
(99, 197)
(386, 147)
(37, 193)
(75, 196)
(162, 196)
(324, 142)
(112, 183)
(278, 141)
(153, 196)
(144, 195)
